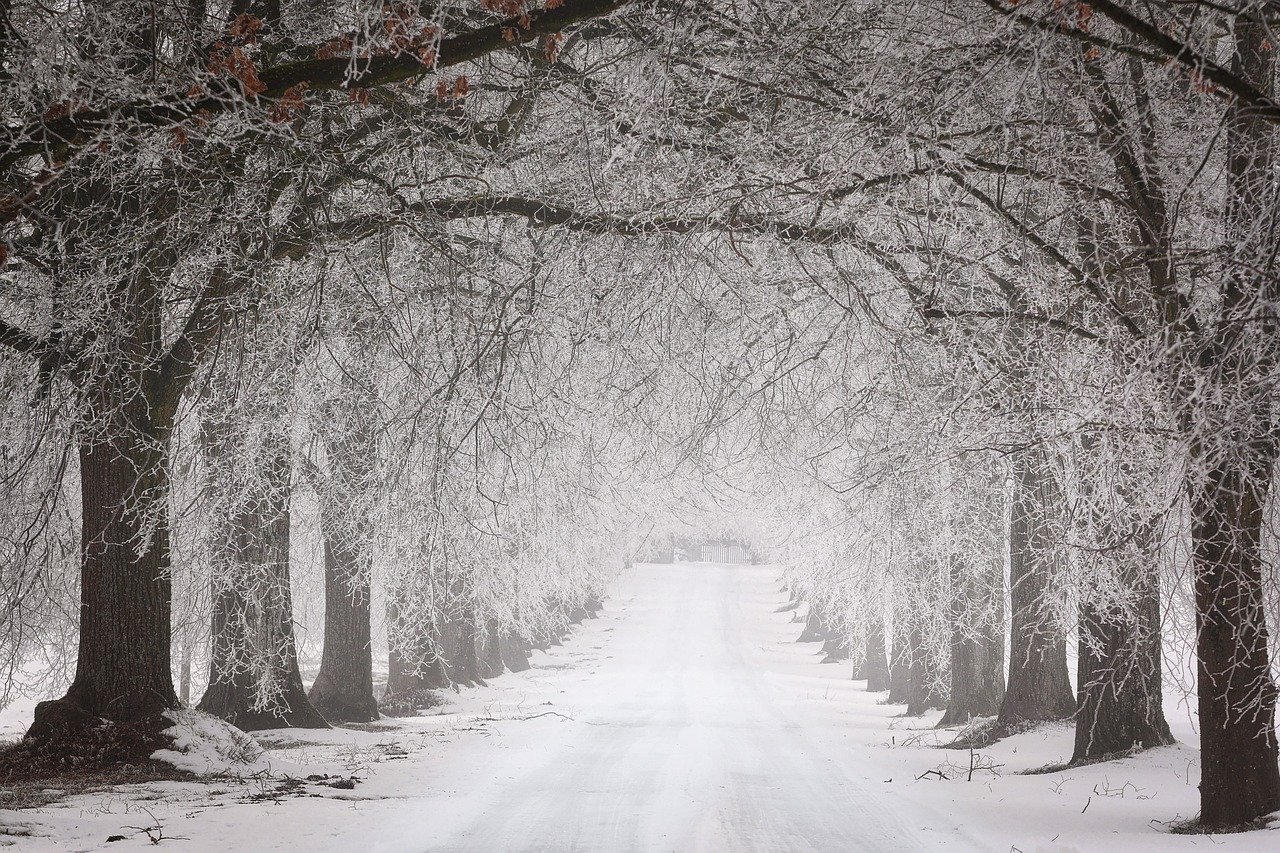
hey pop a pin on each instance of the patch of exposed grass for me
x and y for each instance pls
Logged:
(369, 727)
(45, 789)
(1193, 826)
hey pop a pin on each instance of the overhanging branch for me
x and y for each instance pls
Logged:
(1051, 252)
(1166, 48)
(1041, 319)
(19, 340)
(61, 136)
(550, 214)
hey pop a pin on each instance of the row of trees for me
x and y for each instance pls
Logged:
(1055, 229)
(207, 318)
(987, 284)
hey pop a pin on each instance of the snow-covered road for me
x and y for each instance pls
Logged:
(678, 742)
(684, 718)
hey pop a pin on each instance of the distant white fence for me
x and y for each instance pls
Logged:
(725, 552)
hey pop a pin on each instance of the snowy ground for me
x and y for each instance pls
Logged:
(684, 718)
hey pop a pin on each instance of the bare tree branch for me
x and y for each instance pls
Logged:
(59, 137)
(1226, 85)
(19, 340)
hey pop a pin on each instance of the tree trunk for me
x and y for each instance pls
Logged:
(464, 664)
(977, 640)
(254, 682)
(409, 670)
(836, 647)
(1039, 688)
(130, 386)
(123, 670)
(877, 665)
(1120, 700)
(900, 666)
(859, 672)
(490, 651)
(1232, 467)
(454, 658)
(815, 628)
(1239, 779)
(515, 652)
(406, 683)
(343, 689)
(184, 673)
(923, 693)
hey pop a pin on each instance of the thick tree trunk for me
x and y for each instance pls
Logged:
(454, 653)
(1119, 697)
(877, 662)
(123, 668)
(489, 654)
(343, 689)
(859, 672)
(900, 666)
(977, 640)
(815, 628)
(1233, 461)
(923, 690)
(1239, 779)
(458, 649)
(515, 652)
(1120, 701)
(835, 647)
(409, 673)
(254, 682)
(406, 683)
(1039, 687)
(464, 663)
(130, 384)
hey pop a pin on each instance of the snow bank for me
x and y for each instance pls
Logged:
(207, 746)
